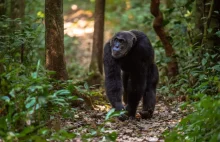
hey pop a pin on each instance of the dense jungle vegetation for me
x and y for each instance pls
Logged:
(51, 70)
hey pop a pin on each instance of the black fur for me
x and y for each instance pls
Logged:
(139, 76)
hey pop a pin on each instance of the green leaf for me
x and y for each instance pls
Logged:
(42, 100)
(204, 61)
(61, 92)
(74, 98)
(5, 98)
(26, 131)
(113, 113)
(216, 67)
(109, 113)
(218, 33)
(38, 66)
(12, 93)
(71, 88)
(31, 103)
(86, 86)
(216, 12)
(93, 132)
(34, 88)
(3, 123)
(34, 75)
(112, 136)
(209, 30)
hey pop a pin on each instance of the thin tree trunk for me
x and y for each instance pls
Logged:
(54, 39)
(207, 18)
(96, 64)
(158, 27)
(2, 7)
(2, 12)
(18, 11)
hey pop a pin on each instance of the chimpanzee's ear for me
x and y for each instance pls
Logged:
(134, 40)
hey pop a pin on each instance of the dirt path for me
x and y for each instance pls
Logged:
(139, 130)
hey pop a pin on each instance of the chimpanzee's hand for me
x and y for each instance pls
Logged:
(119, 106)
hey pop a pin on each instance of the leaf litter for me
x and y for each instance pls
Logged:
(165, 117)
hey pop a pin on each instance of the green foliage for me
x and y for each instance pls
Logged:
(199, 77)
(75, 69)
(201, 125)
(29, 102)
(12, 40)
(202, 83)
(133, 15)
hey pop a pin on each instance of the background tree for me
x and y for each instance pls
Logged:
(208, 11)
(54, 39)
(172, 66)
(2, 12)
(2, 7)
(96, 65)
(17, 9)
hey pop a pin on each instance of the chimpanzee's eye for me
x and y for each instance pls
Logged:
(121, 40)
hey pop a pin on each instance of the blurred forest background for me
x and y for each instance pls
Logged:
(46, 95)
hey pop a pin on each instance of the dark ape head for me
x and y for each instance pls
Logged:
(121, 43)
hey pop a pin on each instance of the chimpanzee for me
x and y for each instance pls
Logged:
(130, 70)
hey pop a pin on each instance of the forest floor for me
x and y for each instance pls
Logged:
(166, 115)
(78, 23)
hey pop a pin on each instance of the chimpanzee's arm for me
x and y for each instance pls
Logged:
(113, 82)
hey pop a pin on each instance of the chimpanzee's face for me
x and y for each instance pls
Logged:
(121, 44)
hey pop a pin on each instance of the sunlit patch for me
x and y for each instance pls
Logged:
(79, 24)
(82, 23)
(79, 28)
(67, 25)
(74, 7)
(89, 30)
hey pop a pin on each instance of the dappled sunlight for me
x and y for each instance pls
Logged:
(78, 29)
(77, 15)
(79, 24)
(74, 7)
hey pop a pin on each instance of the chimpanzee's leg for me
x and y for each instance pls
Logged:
(138, 87)
(149, 98)
(126, 86)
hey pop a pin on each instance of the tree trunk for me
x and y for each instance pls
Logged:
(158, 27)
(54, 39)
(96, 64)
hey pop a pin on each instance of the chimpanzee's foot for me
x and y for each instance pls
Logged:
(146, 114)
